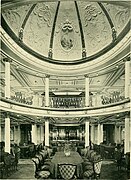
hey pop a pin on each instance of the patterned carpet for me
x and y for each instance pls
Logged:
(108, 172)
(25, 170)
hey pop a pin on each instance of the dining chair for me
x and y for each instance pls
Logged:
(40, 173)
(67, 171)
(97, 168)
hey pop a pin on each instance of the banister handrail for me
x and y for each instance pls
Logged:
(8, 100)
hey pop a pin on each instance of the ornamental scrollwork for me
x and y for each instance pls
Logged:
(43, 13)
(97, 30)
(15, 16)
(91, 13)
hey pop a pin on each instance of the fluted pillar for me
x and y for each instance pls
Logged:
(34, 133)
(7, 134)
(18, 135)
(87, 98)
(42, 133)
(127, 77)
(86, 133)
(0, 134)
(47, 90)
(15, 134)
(101, 133)
(98, 134)
(127, 133)
(117, 134)
(92, 133)
(7, 77)
(46, 133)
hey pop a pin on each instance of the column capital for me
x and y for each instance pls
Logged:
(86, 75)
(46, 119)
(86, 119)
(127, 114)
(6, 114)
(7, 60)
(47, 76)
(126, 59)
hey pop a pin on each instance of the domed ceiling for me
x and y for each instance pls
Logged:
(65, 31)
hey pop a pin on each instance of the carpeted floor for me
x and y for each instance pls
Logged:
(108, 171)
(25, 170)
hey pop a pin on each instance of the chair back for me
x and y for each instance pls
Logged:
(97, 167)
(67, 171)
(36, 162)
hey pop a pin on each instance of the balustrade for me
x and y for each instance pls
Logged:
(19, 97)
(67, 102)
(112, 98)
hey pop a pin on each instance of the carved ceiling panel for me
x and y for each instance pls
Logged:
(96, 27)
(119, 14)
(66, 30)
(15, 17)
(67, 42)
(39, 27)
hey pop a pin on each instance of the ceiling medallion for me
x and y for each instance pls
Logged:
(67, 36)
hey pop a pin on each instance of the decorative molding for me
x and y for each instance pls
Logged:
(7, 60)
(15, 15)
(74, 62)
(67, 36)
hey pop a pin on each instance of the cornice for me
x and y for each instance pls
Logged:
(12, 106)
(33, 64)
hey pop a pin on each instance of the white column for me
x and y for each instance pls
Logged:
(127, 134)
(78, 134)
(101, 133)
(87, 98)
(46, 133)
(86, 133)
(7, 78)
(98, 134)
(38, 135)
(115, 134)
(36, 99)
(92, 133)
(34, 134)
(15, 134)
(42, 133)
(18, 135)
(0, 134)
(7, 134)
(127, 77)
(47, 91)
(119, 134)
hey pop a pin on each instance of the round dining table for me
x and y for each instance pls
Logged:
(61, 158)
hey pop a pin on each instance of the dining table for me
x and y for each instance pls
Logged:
(60, 158)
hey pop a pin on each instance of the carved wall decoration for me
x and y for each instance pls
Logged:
(15, 17)
(39, 26)
(96, 27)
(67, 35)
(43, 13)
(67, 40)
(91, 13)
(119, 14)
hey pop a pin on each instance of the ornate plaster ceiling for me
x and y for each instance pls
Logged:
(65, 31)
